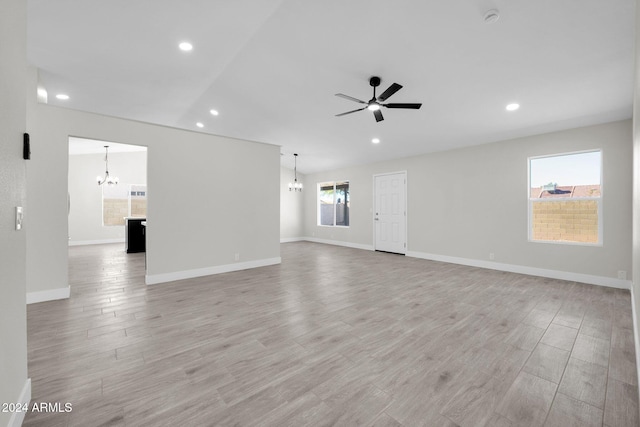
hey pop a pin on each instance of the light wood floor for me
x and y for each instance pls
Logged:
(332, 336)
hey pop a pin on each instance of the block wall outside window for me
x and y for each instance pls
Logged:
(569, 221)
(139, 207)
(122, 200)
(114, 211)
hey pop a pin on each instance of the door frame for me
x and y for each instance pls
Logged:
(406, 204)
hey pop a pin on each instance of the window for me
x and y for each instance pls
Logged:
(565, 198)
(334, 202)
(123, 200)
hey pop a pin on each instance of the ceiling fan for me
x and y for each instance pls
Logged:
(374, 104)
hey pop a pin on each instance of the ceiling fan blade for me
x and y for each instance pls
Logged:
(396, 105)
(378, 115)
(350, 98)
(349, 112)
(390, 91)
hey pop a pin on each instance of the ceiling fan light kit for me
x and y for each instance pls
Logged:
(375, 103)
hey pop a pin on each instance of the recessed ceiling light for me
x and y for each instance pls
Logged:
(185, 46)
(376, 140)
(62, 96)
(200, 125)
(513, 107)
(214, 112)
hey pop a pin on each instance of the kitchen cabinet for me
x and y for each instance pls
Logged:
(135, 239)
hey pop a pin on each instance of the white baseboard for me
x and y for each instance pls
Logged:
(95, 242)
(48, 295)
(521, 269)
(339, 243)
(636, 333)
(152, 279)
(25, 398)
(291, 239)
(532, 271)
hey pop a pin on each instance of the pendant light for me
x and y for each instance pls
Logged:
(295, 185)
(107, 178)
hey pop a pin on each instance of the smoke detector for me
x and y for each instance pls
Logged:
(491, 16)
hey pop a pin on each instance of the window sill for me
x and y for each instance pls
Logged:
(558, 242)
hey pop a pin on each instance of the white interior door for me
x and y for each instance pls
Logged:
(390, 216)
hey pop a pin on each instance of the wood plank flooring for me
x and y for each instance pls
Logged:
(332, 336)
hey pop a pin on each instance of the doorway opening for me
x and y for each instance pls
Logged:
(99, 208)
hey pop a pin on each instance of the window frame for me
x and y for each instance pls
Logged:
(600, 201)
(318, 204)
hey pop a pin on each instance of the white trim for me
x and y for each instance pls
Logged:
(339, 243)
(570, 243)
(48, 295)
(636, 337)
(291, 239)
(532, 271)
(25, 398)
(152, 279)
(95, 242)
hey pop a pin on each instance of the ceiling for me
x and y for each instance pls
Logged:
(272, 67)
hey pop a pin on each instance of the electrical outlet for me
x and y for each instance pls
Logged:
(237, 257)
(622, 275)
(492, 256)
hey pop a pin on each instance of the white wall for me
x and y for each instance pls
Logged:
(291, 207)
(13, 326)
(85, 216)
(464, 204)
(635, 288)
(203, 198)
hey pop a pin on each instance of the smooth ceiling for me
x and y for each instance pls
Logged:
(272, 67)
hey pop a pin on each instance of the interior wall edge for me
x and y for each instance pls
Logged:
(511, 268)
(636, 336)
(530, 271)
(154, 279)
(95, 242)
(292, 239)
(48, 295)
(17, 417)
(340, 243)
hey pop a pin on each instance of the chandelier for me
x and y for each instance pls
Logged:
(108, 179)
(295, 185)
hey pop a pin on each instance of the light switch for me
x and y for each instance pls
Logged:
(18, 217)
